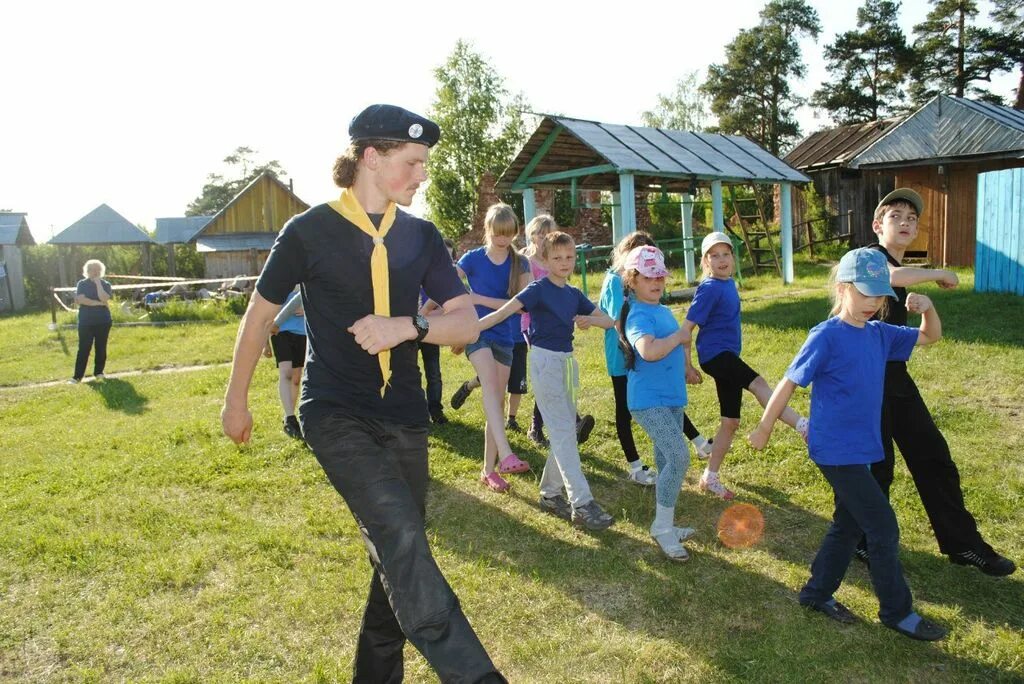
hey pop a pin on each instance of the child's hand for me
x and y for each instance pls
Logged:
(918, 303)
(759, 438)
(693, 376)
(948, 280)
(582, 322)
(267, 351)
(458, 349)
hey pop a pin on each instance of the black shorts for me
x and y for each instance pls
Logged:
(517, 371)
(732, 376)
(289, 347)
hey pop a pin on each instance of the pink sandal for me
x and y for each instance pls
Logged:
(495, 482)
(512, 464)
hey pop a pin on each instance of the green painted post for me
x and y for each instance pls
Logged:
(616, 217)
(529, 205)
(718, 215)
(688, 247)
(786, 226)
(627, 189)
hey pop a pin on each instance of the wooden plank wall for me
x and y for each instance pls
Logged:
(229, 264)
(926, 181)
(11, 256)
(1000, 233)
(264, 208)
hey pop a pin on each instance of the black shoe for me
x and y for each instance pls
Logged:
(926, 631)
(988, 561)
(584, 426)
(538, 438)
(438, 418)
(291, 427)
(511, 425)
(836, 611)
(460, 396)
(861, 554)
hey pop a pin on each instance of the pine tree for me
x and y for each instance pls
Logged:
(1009, 16)
(867, 67)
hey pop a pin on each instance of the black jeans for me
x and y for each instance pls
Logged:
(624, 419)
(431, 354)
(88, 334)
(907, 422)
(380, 470)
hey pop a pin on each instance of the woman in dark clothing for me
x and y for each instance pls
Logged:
(92, 296)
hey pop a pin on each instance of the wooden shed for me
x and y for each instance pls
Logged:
(101, 226)
(999, 263)
(939, 150)
(14, 234)
(237, 240)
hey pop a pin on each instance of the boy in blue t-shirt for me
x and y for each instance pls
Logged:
(288, 341)
(844, 358)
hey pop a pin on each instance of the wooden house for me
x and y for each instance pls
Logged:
(14, 234)
(237, 240)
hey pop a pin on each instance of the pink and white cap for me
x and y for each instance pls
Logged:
(647, 260)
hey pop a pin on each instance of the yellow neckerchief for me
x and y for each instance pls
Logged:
(350, 208)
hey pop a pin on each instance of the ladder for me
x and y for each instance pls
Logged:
(753, 227)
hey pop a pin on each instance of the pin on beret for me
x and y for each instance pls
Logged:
(388, 122)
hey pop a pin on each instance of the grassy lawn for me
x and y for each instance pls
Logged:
(140, 545)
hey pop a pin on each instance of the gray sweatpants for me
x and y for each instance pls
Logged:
(555, 378)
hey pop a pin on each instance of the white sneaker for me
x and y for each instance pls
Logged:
(715, 486)
(644, 477)
(703, 449)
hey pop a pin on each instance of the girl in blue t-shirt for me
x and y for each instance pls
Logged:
(844, 359)
(555, 307)
(653, 344)
(716, 311)
(495, 273)
(610, 301)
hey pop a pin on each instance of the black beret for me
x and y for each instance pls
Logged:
(388, 122)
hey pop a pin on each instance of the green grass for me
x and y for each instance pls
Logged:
(140, 545)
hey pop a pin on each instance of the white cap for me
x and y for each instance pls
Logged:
(712, 239)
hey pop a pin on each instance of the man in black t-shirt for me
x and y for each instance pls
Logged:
(360, 264)
(905, 417)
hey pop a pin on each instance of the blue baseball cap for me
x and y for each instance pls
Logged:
(868, 270)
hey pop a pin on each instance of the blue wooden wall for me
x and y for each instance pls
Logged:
(999, 261)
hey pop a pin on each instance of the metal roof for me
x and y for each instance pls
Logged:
(948, 129)
(235, 242)
(14, 229)
(836, 146)
(101, 226)
(179, 229)
(596, 153)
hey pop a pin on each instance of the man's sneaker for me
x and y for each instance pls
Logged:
(99, 376)
(460, 396)
(538, 438)
(557, 506)
(986, 560)
(715, 486)
(291, 427)
(584, 426)
(834, 610)
(511, 425)
(591, 516)
(437, 417)
(74, 381)
(644, 477)
(670, 545)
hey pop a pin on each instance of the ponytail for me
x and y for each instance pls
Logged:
(624, 345)
(514, 259)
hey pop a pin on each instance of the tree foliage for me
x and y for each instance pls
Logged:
(684, 109)
(750, 93)
(1009, 16)
(218, 190)
(481, 129)
(954, 55)
(867, 66)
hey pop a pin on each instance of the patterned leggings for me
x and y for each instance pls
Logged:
(664, 425)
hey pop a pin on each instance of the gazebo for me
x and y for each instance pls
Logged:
(576, 154)
(178, 230)
(102, 226)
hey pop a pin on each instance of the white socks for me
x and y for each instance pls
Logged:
(664, 519)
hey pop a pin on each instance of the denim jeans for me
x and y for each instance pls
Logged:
(87, 335)
(380, 470)
(860, 506)
(431, 354)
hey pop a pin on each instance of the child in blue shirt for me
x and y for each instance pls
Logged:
(653, 343)
(716, 310)
(845, 358)
(288, 340)
(555, 307)
(611, 301)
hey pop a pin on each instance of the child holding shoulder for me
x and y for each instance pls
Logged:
(554, 307)
(653, 343)
(613, 295)
(844, 359)
(716, 310)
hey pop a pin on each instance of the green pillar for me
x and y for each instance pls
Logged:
(718, 215)
(688, 246)
(529, 205)
(786, 226)
(616, 217)
(627, 191)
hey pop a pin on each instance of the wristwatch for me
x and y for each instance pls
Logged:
(422, 325)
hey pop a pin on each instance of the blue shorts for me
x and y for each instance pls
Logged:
(502, 352)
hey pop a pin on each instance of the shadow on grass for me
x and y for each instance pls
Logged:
(744, 622)
(120, 395)
(63, 343)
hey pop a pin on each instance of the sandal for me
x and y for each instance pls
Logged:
(494, 482)
(512, 464)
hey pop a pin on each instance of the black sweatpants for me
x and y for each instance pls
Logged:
(88, 335)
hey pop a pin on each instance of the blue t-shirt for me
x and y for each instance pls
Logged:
(491, 280)
(846, 365)
(654, 383)
(716, 309)
(92, 314)
(552, 309)
(293, 324)
(611, 303)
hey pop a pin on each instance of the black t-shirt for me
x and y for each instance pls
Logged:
(93, 314)
(898, 382)
(330, 258)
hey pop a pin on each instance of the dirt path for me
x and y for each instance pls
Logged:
(112, 376)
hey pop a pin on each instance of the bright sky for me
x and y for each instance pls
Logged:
(134, 103)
